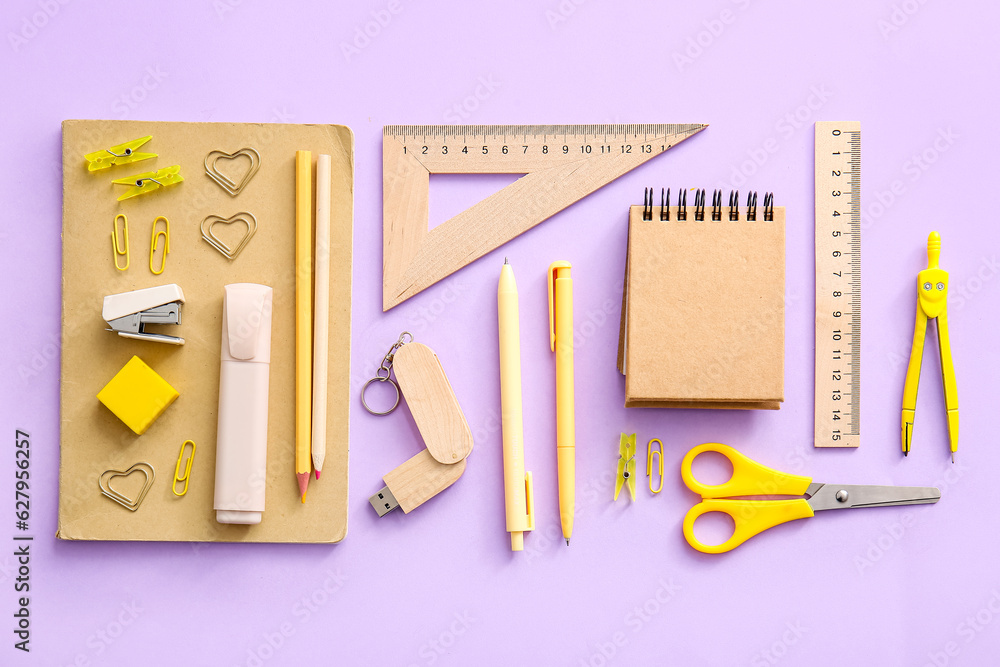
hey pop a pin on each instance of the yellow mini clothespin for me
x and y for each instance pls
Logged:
(150, 181)
(656, 453)
(119, 242)
(120, 154)
(932, 303)
(626, 465)
(186, 477)
(154, 242)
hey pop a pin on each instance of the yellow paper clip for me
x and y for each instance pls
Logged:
(150, 181)
(120, 240)
(626, 465)
(154, 242)
(187, 469)
(120, 154)
(656, 453)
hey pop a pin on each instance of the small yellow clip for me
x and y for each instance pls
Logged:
(120, 154)
(119, 240)
(656, 453)
(626, 465)
(186, 478)
(154, 242)
(150, 181)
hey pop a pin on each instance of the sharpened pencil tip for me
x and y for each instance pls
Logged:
(303, 499)
(567, 542)
(505, 261)
(317, 474)
(953, 457)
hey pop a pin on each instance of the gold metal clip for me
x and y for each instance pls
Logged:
(154, 243)
(186, 477)
(656, 453)
(119, 242)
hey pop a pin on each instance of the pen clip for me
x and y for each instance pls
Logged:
(560, 264)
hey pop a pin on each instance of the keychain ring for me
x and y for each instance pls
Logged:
(379, 378)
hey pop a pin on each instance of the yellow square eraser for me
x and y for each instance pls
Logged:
(137, 395)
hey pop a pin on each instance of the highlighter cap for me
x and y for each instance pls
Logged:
(246, 323)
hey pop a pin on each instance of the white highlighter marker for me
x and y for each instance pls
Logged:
(241, 456)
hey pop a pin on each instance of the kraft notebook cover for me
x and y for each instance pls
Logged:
(703, 307)
(92, 439)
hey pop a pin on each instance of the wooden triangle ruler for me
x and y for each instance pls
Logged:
(561, 165)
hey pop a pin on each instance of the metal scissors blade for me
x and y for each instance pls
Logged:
(850, 496)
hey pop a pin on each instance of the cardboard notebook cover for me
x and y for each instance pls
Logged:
(92, 439)
(703, 312)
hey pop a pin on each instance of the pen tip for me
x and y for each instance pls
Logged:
(953, 457)
(567, 542)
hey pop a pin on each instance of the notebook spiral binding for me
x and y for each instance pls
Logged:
(699, 205)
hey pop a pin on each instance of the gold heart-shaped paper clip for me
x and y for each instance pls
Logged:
(128, 503)
(228, 184)
(217, 243)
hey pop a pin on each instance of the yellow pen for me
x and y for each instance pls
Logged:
(561, 341)
(932, 303)
(518, 494)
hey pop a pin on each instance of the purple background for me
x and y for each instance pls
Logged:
(906, 586)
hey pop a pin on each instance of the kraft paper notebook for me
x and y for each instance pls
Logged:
(92, 439)
(703, 305)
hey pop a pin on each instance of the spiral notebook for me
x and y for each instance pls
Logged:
(702, 321)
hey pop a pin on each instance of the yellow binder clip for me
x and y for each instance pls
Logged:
(186, 477)
(120, 154)
(119, 242)
(657, 454)
(626, 465)
(150, 181)
(154, 243)
(932, 303)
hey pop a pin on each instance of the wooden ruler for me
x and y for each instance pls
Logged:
(838, 284)
(561, 164)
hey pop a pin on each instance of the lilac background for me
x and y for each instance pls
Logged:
(440, 586)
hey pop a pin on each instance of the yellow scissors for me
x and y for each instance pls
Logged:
(755, 516)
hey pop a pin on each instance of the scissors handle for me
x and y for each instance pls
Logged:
(750, 517)
(749, 477)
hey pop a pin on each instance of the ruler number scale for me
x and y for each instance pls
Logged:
(560, 164)
(838, 284)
